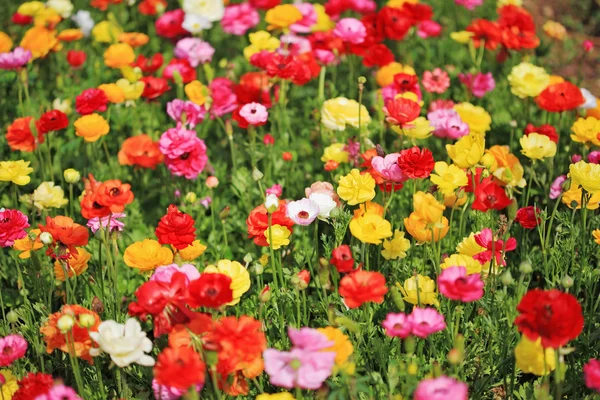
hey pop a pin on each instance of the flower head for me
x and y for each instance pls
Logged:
(455, 284)
(359, 287)
(533, 358)
(12, 347)
(426, 321)
(124, 343)
(442, 387)
(537, 147)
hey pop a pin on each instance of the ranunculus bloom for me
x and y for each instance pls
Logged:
(426, 321)
(303, 212)
(12, 347)
(155, 87)
(254, 114)
(186, 113)
(140, 151)
(14, 59)
(33, 385)
(65, 232)
(53, 120)
(455, 284)
(448, 124)
(12, 226)
(360, 287)
(469, 4)
(416, 163)
(591, 373)
(388, 168)
(179, 367)
(195, 51)
(436, 81)
(124, 343)
(428, 28)
(494, 248)
(210, 290)
(90, 101)
(223, 97)
(398, 325)
(350, 30)
(546, 130)
(528, 217)
(401, 111)
(165, 273)
(239, 18)
(442, 387)
(560, 97)
(557, 187)
(184, 151)
(341, 258)
(176, 228)
(258, 222)
(169, 26)
(181, 66)
(490, 195)
(478, 84)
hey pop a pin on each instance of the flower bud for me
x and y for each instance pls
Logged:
(257, 175)
(65, 323)
(212, 182)
(264, 260)
(265, 294)
(71, 175)
(287, 156)
(525, 267)
(566, 282)
(258, 269)
(410, 345)
(455, 357)
(12, 317)
(506, 278)
(362, 80)
(268, 140)
(46, 238)
(248, 258)
(224, 213)
(86, 320)
(271, 203)
(303, 279)
(413, 368)
(397, 299)
(348, 324)
(191, 197)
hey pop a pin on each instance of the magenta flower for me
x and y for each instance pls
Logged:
(388, 168)
(557, 187)
(168, 392)
(254, 113)
(441, 388)
(594, 157)
(298, 368)
(12, 347)
(478, 84)
(309, 18)
(165, 272)
(455, 284)
(113, 219)
(185, 153)
(494, 248)
(428, 28)
(239, 19)
(350, 30)
(224, 99)
(12, 226)
(186, 113)
(426, 321)
(436, 81)
(15, 59)
(195, 50)
(276, 189)
(469, 4)
(591, 373)
(59, 392)
(397, 325)
(448, 124)
(205, 202)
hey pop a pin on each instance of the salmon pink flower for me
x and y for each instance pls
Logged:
(441, 388)
(494, 248)
(12, 347)
(436, 81)
(426, 321)
(397, 325)
(455, 284)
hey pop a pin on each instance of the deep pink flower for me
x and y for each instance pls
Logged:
(12, 347)
(388, 168)
(350, 30)
(59, 392)
(12, 226)
(398, 325)
(594, 157)
(276, 189)
(194, 114)
(166, 272)
(195, 50)
(557, 187)
(169, 24)
(223, 97)
(494, 248)
(591, 373)
(428, 28)
(239, 19)
(436, 81)
(15, 59)
(478, 84)
(426, 321)
(588, 46)
(181, 66)
(441, 388)
(455, 284)
(325, 57)
(169, 392)
(448, 124)
(575, 158)
(113, 219)
(298, 368)
(309, 18)
(469, 4)
(185, 153)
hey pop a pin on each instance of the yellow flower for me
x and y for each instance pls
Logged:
(530, 357)
(370, 228)
(421, 129)
(502, 3)
(460, 260)
(536, 146)
(462, 37)
(147, 255)
(119, 55)
(280, 235)
(6, 43)
(46, 17)
(113, 92)
(196, 92)
(10, 385)
(339, 112)
(132, 74)
(448, 178)
(39, 41)
(132, 91)
(29, 243)
(586, 175)
(504, 165)
(423, 231)
(356, 188)
(555, 30)
(31, 8)
(76, 264)
(91, 127)
(573, 197)
(385, 75)
(193, 251)
(324, 23)
(595, 234)
(427, 207)
(15, 171)
(261, 40)
(454, 201)
(48, 196)
(342, 345)
(476, 117)
(467, 151)
(426, 289)
(240, 278)
(275, 396)
(586, 130)
(469, 247)
(400, 3)
(528, 80)
(336, 153)
(106, 32)
(282, 16)
(396, 247)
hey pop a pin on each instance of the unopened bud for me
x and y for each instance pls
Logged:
(506, 278)
(65, 323)
(397, 299)
(12, 317)
(191, 197)
(567, 282)
(271, 203)
(525, 267)
(212, 182)
(87, 320)
(412, 369)
(224, 213)
(257, 175)
(455, 357)
(265, 294)
(248, 258)
(258, 269)
(410, 345)
(71, 175)
(46, 238)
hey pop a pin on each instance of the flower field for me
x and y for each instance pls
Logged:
(275, 199)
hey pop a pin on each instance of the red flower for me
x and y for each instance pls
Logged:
(90, 101)
(65, 232)
(169, 26)
(149, 65)
(550, 314)
(485, 32)
(331, 165)
(154, 87)
(281, 66)
(254, 87)
(406, 82)
(287, 156)
(150, 7)
(341, 258)
(264, 4)
(210, 290)
(180, 367)
(470, 179)
(378, 55)
(560, 97)
(76, 58)
(258, 222)
(268, 140)
(393, 22)
(401, 111)
(176, 228)
(416, 163)
(33, 385)
(546, 130)
(304, 276)
(53, 120)
(20, 19)
(114, 194)
(493, 248)
(20, 137)
(181, 66)
(490, 195)
(360, 287)
(528, 217)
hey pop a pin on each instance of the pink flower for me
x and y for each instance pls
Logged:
(325, 188)
(494, 248)
(575, 158)
(205, 202)
(469, 4)
(302, 212)
(350, 30)
(591, 373)
(325, 57)
(276, 189)
(594, 157)
(12, 226)
(15, 59)
(428, 28)
(455, 284)
(12, 347)
(185, 153)
(426, 321)
(239, 19)
(440, 104)
(479, 84)
(353, 149)
(309, 18)
(113, 219)
(195, 50)
(448, 124)
(308, 339)
(165, 272)
(192, 112)
(436, 81)
(294, 44)
(254, 113)
(398, 325)
(388, 167)
(169, 393)
(224, 99)
(59, 392)
(298, 368)
(557, 187)
(588, 46)
(441, 388)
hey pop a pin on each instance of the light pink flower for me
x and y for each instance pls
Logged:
(294, 45)
(478, 84)
(239, 19)
(276, 189)
(169, 393)
(59, 392)
(440, 104)
(302, 212)
(325, 57)
(195, 50)
(557, 187)
(350, 30)
(254, 113)
(309, 18)
(205, 201)
(436, 81)
(15, 59)
(448, 124)
(223, 97)
(12, 226)
(455, 284)
(388, 168)
(428, 28)
(165, 272)
(194, 114)
(591, 373)
(441, 388)
(398, 325)
(298, 368)
(308, 339)
(12, 347)
(113, 219)
(426, 321)
(185, 153)
(469, 4)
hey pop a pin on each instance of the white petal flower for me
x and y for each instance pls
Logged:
(125, 343)
(84, 21)
(212, 10)
(195, 23)
(590, 100)
(303, 212)
(325, 203)
(63, 7)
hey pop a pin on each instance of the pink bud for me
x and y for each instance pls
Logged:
(212, 182)
(588, 46)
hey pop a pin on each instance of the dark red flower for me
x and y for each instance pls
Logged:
(53, 120)
(416, 163)
(254, 87)
(182, 67)
(401, 111)
(210, 290)
(393, 23)
(33, 385)
(546, 130)
(154, 87)
(490, 195)
(176, 228)
(485, 32)
(169, 26)
(90, 101)
(553, 315)
(417, 12)
(20, 19)
(560, 97)
(76, 58)
(528, 217)
(149, 65)
(264, 4)
(341, 259)
(179, 367)
(378, 55)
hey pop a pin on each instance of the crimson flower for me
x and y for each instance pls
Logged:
(560, 97)
(493, 248)
(546, 130)
(490, 195)
(149, 65)
(416, 163)
(176, 228)
(401, 111)
(528, 217)
(90, 101)
(210, 290)
(154, 87)
(53, 120)
(341, 258)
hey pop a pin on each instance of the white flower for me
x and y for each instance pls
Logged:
(212, 10)
(125, 343)
(84, 21)
(303, 212)
(62, 105)
(194, 23)
(324, 202)
(271, 203)
(63, 7)
(590, 100)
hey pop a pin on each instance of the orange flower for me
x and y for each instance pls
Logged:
(119, 55)
(115, 195)
(82, 342)
(423, 231)
(140, 151)
(91, 127)
(28, 243)
(20, 137)
(76, 264)
(65, 232)
(102, 5)
(369, 208)
(39, 41)
(360, 287)
(70, 35)
(134, 39)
